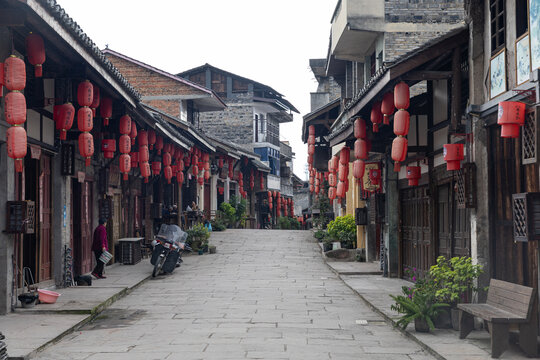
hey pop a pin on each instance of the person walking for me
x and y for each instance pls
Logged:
(99, 245)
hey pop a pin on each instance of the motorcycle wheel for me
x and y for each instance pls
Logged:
(158, 266)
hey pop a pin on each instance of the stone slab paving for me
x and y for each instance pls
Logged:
(265, 295)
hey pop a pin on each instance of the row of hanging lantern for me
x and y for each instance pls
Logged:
(343, 173)
(361, 148)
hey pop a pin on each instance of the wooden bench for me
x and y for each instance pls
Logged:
(507, 304)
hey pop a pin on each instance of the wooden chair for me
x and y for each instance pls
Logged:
(507, 304)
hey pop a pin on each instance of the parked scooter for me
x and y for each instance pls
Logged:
(169, 245)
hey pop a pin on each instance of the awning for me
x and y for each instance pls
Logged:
(172, 137)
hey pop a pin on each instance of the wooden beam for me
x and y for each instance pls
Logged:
(456, 90)
(427, 75)
(11, 17)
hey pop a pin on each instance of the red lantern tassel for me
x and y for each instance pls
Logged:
(19, 165)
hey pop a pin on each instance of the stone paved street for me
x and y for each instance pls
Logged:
(264, 295)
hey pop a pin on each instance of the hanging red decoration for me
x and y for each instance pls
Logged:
(221, 190)
(359, 167)
(151, 138)
(85, 121)
(453, 154)
(159, 144)
(376, 116)
(332, 179)
(35, 50)
(220, 162)
(340, 190)
(195, 170)
(95, 100)
(311, 129)
(331, 193)
(133, 133)
(145, 170)
(156, 167)
(413, 174)
(343, 172)
(125, 165)
(360, 149)
(200, 180)
(311, 140)
(187, 161)
(511, 116)
(344, 155)
(180, 177)
(401, 96)
(180, 165)
(134, 155)
(124, 144)
(17, 146)
(360, 128)
(106, 111)
(310, 160)
(206, 174)
(86, 146)
(167, 173)
(14, 73)
(85, 93)
(335, 162)
(1, 79)
(15, 108)
(167, 147)
(387, 107)
(144, 154)
(167, 159)
(401, 123)
(375, 176)
(311, 149)
(399, 151)
(108, 147)
(125, 126)
(64, 115)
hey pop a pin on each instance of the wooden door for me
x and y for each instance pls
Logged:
(83, 235)
(45, 218)
(416, 229)
(444, 221)
(462, 232)
(207, 199)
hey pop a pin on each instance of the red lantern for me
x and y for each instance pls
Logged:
(220, 190)
(187, 161)
(133, 133)
(311, 140)
(345, 155)
(340, 191)
(106, 110)
(360, 128)
(180, 177)
(167, 172)
(124, 144)
(35, 50)
(167, 147)
(375, 176)
(311, 149)
(387, 107)
(84, 119)
(413, 174)
(360, 149)
(401, 96)
(220, 162)
(159, 144)
(145, 170)
(16, 145)
(453, 154)
(401, 123)
(166, 159)
(311, 188)
(125, 165)
(151, 138)
(180, 165)
(134, 159)
(331, 193)
(359, 167)
(1, 79)
(376, 116)
(200, 180)
(399, 151)
(95, 100)
(14, 73)
(86, 146)
(108, 146)
(156, 167)
(144, 155)
(511, 116)
(125, 125)
(207, 166)
(65, 114)
(15, 108)
(311, 130)
(343, 172)
(206, 174)
(85, 93)
(332, 179)
(335, 162)
(142, 138)
(195, 170)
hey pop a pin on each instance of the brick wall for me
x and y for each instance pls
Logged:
(400, 43)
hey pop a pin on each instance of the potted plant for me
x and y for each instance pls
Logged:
(455, 280)
(418, 305)
(197, 235)
(343, 229)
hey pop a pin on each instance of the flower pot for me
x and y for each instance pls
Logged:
(200, 252)
(421, 325)
(455, 318)
(443, 320)
(212, 249)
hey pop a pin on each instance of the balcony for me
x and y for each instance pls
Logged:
(286, 190)
(285, 151)
(355, 26)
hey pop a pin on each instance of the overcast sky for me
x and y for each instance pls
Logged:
(267, 41)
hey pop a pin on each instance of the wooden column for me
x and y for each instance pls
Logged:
(456, 90)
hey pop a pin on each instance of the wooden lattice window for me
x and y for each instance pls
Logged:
(529, 138)
(498, 24)
(466, 186)
(526, 216)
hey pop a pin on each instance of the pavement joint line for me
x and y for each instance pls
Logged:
(92, 315)
(386, 318)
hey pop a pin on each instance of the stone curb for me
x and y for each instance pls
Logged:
(93, 313)
(386, 318)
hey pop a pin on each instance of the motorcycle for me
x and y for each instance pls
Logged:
(169, 245)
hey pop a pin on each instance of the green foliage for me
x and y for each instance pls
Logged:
(295, 224)
(320, 235)
(416, 305)
(454, 278)
(228, 214)
(197, 236)
(322, 203)
(343, 229)
(218, 224)
(236, 213)
(284, 223)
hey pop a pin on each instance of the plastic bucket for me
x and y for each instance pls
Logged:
(105, 257)
(47, 296)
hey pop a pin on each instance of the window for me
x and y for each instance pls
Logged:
(498, 24)
(522, 21)
(373, 63)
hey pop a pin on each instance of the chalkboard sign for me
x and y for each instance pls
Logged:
(361, 216)
(105, 208)
(68, 160)
(20, 217)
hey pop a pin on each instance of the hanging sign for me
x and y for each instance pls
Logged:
(367, 184)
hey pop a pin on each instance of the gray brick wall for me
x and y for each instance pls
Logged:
(424, 11)
(400, 43)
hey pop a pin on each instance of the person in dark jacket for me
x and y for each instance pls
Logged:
(99, 245)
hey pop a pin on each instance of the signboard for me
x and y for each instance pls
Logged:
(367, 184)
